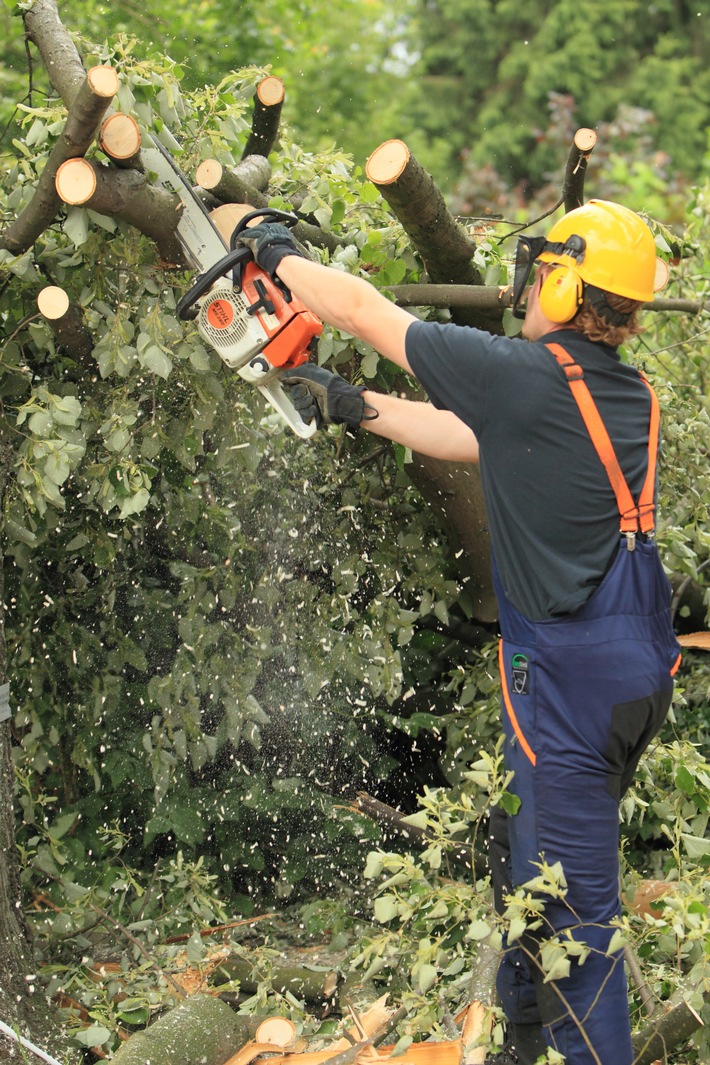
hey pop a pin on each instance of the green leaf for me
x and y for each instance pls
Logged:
(94, 1036)
(510, 803)
(153, 358)
(40, 423)
(427, 975)
(386, 908)
(685, 781)
(516, 929)
(76, 225)
(373, 865)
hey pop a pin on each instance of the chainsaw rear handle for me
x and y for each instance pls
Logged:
(234, 260)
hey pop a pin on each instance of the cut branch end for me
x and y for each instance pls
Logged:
(75, 181)
(103, 81)
(387, 163)
(53, 302)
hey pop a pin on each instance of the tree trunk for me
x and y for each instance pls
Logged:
(18, 1005)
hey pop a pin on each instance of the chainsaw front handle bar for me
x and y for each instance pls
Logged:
(234, 260)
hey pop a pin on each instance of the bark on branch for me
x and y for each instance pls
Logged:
(126, 194)
(241, 184)
(460, 853)
(202, 1030)
(667, 1030)
(416, 200)
(66, 321)
(58, 51)
(492, 300)
(88, 107)
(576, 168)
(236, 186)
(268, 102)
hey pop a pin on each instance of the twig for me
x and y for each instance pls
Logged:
(219, 928)
(136, 943)
(533, 221)
(634, 968)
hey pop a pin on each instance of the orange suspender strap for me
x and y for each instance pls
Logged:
(633, 517)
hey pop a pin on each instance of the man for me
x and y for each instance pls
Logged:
(566, 435)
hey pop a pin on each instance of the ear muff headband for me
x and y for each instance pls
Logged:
(561, 295)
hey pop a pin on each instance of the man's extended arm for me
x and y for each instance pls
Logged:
(421, 427)
(350, 304)
(356, 307)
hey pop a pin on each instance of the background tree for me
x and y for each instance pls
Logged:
(495, 66)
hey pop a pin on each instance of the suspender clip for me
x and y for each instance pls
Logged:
(630, 541)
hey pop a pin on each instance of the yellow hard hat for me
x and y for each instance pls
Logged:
(613, 250)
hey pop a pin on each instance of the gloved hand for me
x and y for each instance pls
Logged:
(318, 394)
(269, 243)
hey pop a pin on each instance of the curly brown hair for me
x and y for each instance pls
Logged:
(595, 327)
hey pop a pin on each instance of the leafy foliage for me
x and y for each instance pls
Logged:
(494, 67)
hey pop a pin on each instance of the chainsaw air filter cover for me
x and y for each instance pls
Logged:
(225, 323)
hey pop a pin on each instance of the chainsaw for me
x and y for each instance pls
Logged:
(253, 322)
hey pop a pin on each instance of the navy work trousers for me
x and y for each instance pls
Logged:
(583, 696)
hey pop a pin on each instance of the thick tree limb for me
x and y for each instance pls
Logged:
(58, 51)
(88, 107)
(491, 301)
(576, 168)
(669, 1029)
(416, 200)
(447, 252)
(268, 102)
(126, 194)
(202, 1030)
(67, 322)
(241, 184)
(120, 139)
(453, 490)
(230, 186)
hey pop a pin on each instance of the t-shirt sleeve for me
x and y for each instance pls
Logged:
(452, 362)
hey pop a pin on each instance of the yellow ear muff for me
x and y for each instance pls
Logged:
(561, 295)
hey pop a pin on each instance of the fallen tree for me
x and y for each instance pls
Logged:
(95, 172)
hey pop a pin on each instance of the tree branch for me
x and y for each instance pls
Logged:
(268, 102)
(416, 200)
(67, 323)
(576, 168)
(88, 107)
(668, 1029)
(492, 300)
(126, 194)
(59, 53)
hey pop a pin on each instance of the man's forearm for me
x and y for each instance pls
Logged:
(350, 304)
(421, 427)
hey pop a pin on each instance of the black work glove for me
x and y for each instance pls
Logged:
(269, 243)
(318, 394)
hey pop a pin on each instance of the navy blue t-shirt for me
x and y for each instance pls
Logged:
(552, 514)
